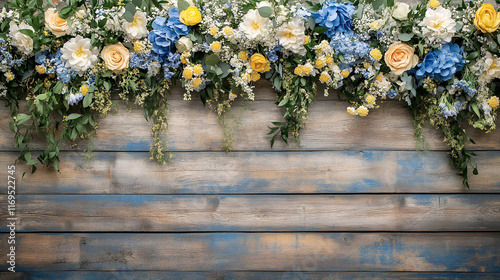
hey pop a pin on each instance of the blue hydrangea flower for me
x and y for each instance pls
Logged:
(75, 98)
(441, 64)
(337, 18)
(272, 56)
(392, 93)
(465, 87)
(64, 74)
(173, 60)
(166, 33)
(175, 24)
(351, 47)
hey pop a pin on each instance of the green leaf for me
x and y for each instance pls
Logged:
(42, 96)
(320, 29)
(131, 8)
(107, 85)
(73, 116)
(473, 55)
(128, 16)
(58, 87)
(87, 100)
(405, 37)
(311, 23)
(212, 59)
(225, 69)
(359, 13)
(476, 110)
(65, 12)
(137, 3)
(27, 32)
(265, 11)
(283, 102)
(182, 5)
(21, 118)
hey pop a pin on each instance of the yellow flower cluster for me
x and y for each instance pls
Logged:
(303, 70)
(434, 4)
(215, 46)
(494, 102)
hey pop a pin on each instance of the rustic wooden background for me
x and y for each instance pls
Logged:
(354, 200)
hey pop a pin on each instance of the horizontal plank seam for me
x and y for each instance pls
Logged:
(248, 232)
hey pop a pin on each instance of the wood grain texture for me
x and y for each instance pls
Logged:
(441, 252)
(165, 213)
(246, 275)
(258, 173)
(195, 128)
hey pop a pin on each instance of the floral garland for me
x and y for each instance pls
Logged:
(64, 59)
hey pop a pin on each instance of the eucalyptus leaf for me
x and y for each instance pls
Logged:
(265, 11)
(212, 59)
(182, 5)
(129, 17)
(405, 37)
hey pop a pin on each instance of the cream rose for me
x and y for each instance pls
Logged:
(184, 44)
(77, 55)
(490, 69)
(292, 35)
(401, 11)
(400, 57)
(438, 25)
(115, 57)
(54, 23)
(22, 42)
(254, 25)
(136, 29)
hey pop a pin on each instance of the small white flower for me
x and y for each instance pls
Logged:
(401, 11)
(22, 42)
(254, 26)
(77, 54)
(291, 36)
(136, 29)
(438, 26)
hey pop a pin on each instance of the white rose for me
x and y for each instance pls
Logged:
(490, 69)
(77, 54)
(254, 25)
(184, 44)
(136, 29)
(291, 36)
(113, 24)
(438, 26)
(22, 42)
(401, 11)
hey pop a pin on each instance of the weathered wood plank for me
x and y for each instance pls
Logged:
(442, 252)
(247, 275)
(193, 127)
(257, 172)
(166, 213)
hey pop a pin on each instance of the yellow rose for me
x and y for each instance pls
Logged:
(400, 57)
(190, 16)
(258, 62)
(54, 23)
(187, 73)
(487, 19)
(115, 57)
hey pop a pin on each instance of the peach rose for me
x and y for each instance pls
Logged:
(400, 57)
(115, 57)
(54, 23)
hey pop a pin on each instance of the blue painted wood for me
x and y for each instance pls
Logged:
(349, 252)
(259, 173)
(248, 275)
(180, 213)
